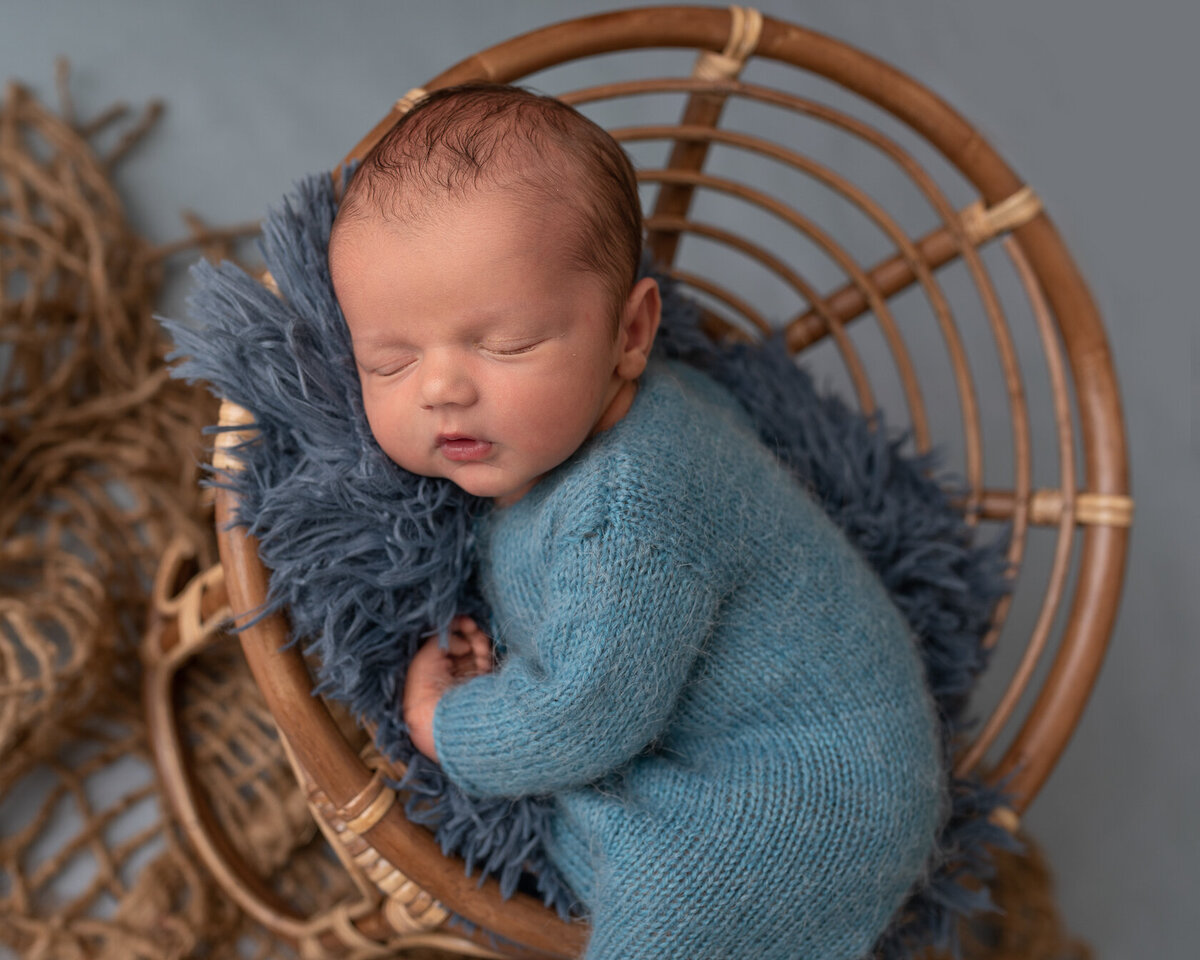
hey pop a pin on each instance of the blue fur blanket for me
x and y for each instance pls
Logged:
(369, 559)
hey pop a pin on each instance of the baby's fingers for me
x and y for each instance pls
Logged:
(470, 647)
(463, 624)
(481, 652)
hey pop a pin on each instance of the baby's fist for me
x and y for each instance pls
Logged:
(470, 647)
(434, 670)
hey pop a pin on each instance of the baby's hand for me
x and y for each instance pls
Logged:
(433, 671)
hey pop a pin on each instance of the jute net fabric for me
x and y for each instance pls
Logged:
(98, 454)
(99, 492)
(98, 449)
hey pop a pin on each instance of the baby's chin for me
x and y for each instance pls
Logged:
(502, 495)
(485, 481)
(479, 479)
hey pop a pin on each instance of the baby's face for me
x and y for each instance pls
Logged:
(483, 357)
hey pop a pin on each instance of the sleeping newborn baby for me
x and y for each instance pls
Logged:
(728, 711)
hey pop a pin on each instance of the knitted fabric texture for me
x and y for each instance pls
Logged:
(718, 691)
(367, 559)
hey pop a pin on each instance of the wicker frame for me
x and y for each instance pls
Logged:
(1093, 496)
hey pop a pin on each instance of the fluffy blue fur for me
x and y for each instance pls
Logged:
(369, 559)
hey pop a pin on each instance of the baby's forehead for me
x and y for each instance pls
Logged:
(474, 242)
(554, 219)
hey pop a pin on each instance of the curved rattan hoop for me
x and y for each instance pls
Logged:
(390, 912)
(1068, 324)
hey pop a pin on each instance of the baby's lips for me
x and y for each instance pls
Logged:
(462, 448)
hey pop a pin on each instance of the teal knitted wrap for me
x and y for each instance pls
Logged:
(717, 691)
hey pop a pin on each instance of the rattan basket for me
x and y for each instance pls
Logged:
(988, 233)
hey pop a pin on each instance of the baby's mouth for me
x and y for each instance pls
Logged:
(458, 447)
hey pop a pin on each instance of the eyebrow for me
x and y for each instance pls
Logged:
(375, 347)
(377, 342)
(518, 325)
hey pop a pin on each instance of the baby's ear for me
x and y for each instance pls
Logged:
(639, 326)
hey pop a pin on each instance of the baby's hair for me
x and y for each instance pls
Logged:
(536, 148)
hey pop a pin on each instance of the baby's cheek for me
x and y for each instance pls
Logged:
(377, 424)
(383, 429)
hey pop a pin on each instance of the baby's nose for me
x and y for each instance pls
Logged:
(445, 380)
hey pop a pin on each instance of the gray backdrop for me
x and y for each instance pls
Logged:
(1092, 101)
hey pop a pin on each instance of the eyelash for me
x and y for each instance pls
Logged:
(525, 348)
(392, 371)
(512, 353)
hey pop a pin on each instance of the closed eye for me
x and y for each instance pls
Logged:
(390, 369)
(512, 351)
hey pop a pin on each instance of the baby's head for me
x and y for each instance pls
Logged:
(485, 257)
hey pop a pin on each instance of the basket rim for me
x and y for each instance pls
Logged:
(1049, 723)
